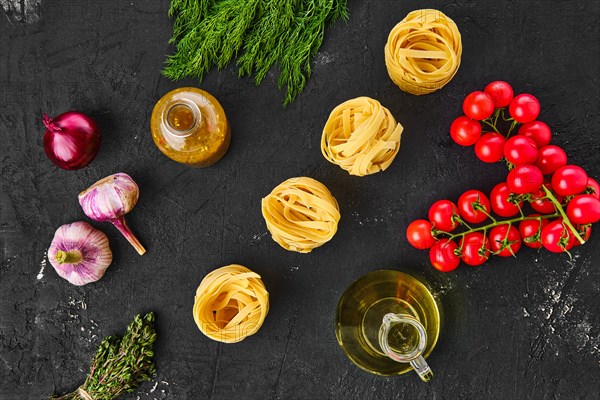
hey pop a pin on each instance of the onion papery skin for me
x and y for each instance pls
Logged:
(71, 140)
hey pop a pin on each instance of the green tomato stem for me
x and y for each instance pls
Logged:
(566, 220)
(496, 223)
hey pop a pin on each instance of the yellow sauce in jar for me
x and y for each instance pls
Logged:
(189, 126)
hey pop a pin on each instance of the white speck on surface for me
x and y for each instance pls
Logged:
(40, 274)
(154, 387)
(323, 58)
(294, 268)
(258, 237)
(26, 10)
(526, 313)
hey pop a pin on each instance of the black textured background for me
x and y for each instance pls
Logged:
(522, 328)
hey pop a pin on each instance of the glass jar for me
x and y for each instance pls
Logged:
(189, 126)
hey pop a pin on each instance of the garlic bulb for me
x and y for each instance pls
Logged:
(110, 199)
(79, 253)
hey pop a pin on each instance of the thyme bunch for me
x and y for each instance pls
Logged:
(267, 32)
(119, 365)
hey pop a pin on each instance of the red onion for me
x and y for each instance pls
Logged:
(71, 140)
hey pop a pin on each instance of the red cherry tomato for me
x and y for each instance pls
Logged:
(538, 131)
(520, 150)
(593, 187)
(569, 180)
(442, 215)
(531, 231)
(524, 108)
(524, 179)
(475, 248)
(443, 257)
(557, 238)
(499, 201)
(550, 158)
(501, 92)
(465, 131)
(490, 147)
(505, 241)
(418, 234)
(585, 231)
(584, 209)
(478, 105)
(470, 204)
(541, 204)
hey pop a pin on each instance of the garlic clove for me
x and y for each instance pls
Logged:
(109, 200)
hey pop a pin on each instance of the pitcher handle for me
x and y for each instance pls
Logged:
(414, 356)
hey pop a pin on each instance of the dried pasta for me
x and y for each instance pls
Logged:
(361, 136)
(231, 304)
(301, 214)
(423, 51)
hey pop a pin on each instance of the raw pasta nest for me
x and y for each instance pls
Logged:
(301, 214)
(361, 136)
(423, 51)
(231, 304)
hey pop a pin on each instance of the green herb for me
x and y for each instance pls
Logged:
(119, 365)
(286, 32)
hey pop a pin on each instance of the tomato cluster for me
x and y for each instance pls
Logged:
(564, 201)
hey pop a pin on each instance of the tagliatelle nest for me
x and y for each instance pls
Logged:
(423, 51)
(301, 214)
(231, 304)
(361, 136)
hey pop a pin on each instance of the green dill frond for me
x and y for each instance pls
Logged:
(289, 33)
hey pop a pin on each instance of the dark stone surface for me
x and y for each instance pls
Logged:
(516, 328)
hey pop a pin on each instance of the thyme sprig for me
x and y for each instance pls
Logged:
(286, 32)
(119, 365)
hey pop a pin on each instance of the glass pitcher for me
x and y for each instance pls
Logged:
(387, 324)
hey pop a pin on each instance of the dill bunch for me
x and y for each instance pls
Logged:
(120, 364)
(288, 33)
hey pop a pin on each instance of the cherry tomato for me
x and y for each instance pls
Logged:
(490, 147)
(465, 131)
(584, 209)
(520, 150)
(475, 248)
(524, 108)
(499, 200)
(470, 204)
(524, 179)
(537, 131)
(550, 158)
(478, 105)
(443, 257)
(544, 205)
(531, 231)
(501, 92)
(593, 187)
(505, 241)
(442, 215)
(556, 237)
(569, 180)
(418, 234)
(585, 231)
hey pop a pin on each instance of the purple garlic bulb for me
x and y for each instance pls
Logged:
(80, 253)
(110, 199)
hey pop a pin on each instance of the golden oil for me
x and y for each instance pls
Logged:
(361, 310)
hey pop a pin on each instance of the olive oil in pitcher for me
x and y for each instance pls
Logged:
(388, 323)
